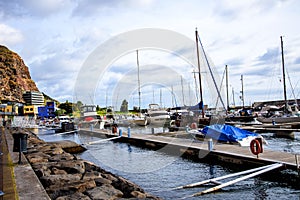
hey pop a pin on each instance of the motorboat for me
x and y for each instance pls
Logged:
(157, 116)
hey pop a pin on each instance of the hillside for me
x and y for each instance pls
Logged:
(14, 76)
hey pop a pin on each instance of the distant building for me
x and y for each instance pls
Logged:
(33, 98)
(8, 109)
(47, 111)
(31, 110)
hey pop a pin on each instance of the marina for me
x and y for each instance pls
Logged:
(136, 159)
(149, 100)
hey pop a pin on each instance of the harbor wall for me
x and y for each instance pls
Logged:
(58, 174)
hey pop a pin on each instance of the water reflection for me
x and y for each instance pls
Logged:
(212, 171)
(129, 148)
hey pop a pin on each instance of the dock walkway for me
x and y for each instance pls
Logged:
(223, 152)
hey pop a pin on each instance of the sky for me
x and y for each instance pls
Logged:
(64, 43)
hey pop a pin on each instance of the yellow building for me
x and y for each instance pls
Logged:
(8, 109)
(30, 110)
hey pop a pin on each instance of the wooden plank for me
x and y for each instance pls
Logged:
(103, 140)
(223, 177)
(275, 166)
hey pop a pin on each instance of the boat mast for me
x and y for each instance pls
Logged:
(160, 98)
(196, 88)
(242, 92)
(283, 75)
(226, 68)
(139, 83)
(233, 97)
(182, 91)
(172, 96)
(199, 73)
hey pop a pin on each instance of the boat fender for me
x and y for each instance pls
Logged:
(172, 122)
(114, 129)
(194, 126)
(255, 147)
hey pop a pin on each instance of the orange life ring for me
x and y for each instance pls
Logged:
(255, 147)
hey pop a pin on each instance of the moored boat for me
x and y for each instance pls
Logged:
(157, 116)
(228, 134)
(286, 116)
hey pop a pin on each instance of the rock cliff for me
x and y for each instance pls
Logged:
(14, 76)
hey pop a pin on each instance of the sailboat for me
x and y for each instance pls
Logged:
(139, 120)
(286, 117)
(202, 119)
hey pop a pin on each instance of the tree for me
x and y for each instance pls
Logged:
(60, 112)
(76, 106)
(68, 107)
(124, 106)
(98, 108)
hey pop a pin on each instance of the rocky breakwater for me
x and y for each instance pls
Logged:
(66, 176)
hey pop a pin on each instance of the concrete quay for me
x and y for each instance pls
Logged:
(17, 181)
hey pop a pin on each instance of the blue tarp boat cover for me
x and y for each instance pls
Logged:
(226, 133)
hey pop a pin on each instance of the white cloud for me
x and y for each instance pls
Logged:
(56, 37)
(9, 35)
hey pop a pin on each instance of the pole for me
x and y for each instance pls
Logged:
(20, 150)
(283, 75)
(199, 73)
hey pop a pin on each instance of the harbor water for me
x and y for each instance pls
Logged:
(159, 173)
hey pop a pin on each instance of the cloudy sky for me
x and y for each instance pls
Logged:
(56, 39)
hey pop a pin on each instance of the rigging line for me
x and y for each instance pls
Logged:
(196, 86)
(293, 88)
(172, 96)
(221, 85)
(210, 70)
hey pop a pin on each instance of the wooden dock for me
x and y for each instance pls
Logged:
(188, 147)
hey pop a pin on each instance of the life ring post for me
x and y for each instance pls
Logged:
(261, 144)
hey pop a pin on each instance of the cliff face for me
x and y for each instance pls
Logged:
(14, 76)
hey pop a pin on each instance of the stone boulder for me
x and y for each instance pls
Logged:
(65, 176)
